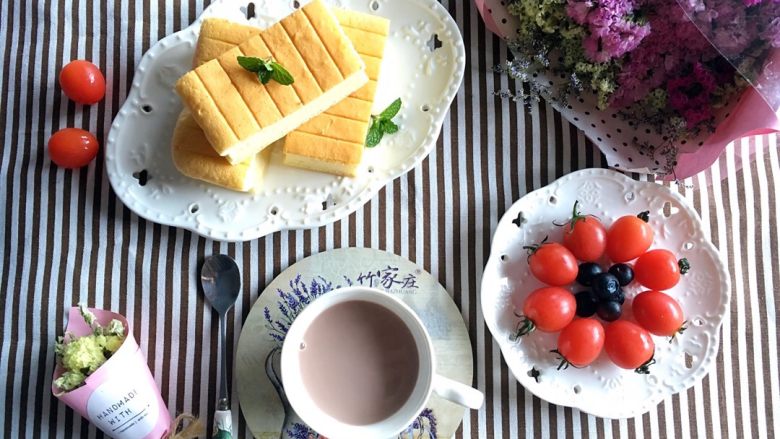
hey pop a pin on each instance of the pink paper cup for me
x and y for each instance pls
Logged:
(121, 397)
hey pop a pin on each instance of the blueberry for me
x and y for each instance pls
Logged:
(586, 272)
(609, 311)
(605, 287)
(620, 297)
(586, 303)
(623, 272)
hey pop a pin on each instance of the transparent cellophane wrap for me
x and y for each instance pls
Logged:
(632, 146)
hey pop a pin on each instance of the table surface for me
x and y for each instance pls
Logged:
(65, 238)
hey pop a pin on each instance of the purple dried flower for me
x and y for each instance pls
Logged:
(690, 94)
(771, 33)
(731, 33)
(612, 32)
(660, 54)
(578, 10)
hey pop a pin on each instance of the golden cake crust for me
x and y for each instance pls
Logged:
(232, 116)
(194, 157)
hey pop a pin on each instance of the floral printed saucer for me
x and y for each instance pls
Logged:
(261, 395)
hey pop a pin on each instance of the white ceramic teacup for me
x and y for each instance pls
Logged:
(427, 380)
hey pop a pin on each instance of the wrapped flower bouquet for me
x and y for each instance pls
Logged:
(661, 86)
(103, 376)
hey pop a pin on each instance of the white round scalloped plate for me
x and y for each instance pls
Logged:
(603, 389)
(141, 170)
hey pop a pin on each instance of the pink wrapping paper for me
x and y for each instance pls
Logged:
(751, 116)
(121, 397)
(487, 17)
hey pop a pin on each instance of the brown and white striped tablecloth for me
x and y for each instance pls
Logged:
(65, 238)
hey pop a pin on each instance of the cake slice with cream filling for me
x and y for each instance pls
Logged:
(331, 142)
(240, 116)
(194, 157)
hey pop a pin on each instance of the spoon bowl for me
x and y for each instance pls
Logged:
(221, 281)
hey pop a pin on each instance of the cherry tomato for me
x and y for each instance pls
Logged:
(657, 269)
(659, 313)
(72, 148)
(584, 236)
(629, 237)
(83, 82)
(547, 309)
(552, 263)
(580, 342)
(629, 346)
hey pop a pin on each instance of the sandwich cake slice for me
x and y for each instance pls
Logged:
(331, 142)
(240, 116)
(194, 157)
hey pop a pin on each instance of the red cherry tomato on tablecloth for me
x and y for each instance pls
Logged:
(657, 269)
(72, 147)
(83, 82)
(552, 263)
(629, 346)
(580, 343)
(629, 237)
(584, 236)
(659, 313)
(548, 309)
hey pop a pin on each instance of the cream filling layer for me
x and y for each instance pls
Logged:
(306, 162)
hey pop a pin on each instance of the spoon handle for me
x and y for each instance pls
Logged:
(223, 418)
(223, 387)
(223, 424)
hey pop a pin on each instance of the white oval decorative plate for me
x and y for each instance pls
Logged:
(603, 389)
(424, 63)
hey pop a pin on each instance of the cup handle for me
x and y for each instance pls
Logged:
(457, 392)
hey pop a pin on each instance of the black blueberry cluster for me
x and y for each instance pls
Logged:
(604, 296)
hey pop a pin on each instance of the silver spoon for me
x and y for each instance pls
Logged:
(221, 281)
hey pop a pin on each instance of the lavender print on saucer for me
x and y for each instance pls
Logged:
(260, 393)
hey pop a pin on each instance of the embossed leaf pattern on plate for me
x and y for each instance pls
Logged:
(589, 192)
(230, 210)
(432, 61)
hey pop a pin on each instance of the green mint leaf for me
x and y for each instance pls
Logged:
(251, 63)
(389, 127)
(280, 74)
(265, 76)
(391, 110)
(374, 136)
(266, 69)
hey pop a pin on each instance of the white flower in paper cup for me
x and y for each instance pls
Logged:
(103, 376)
